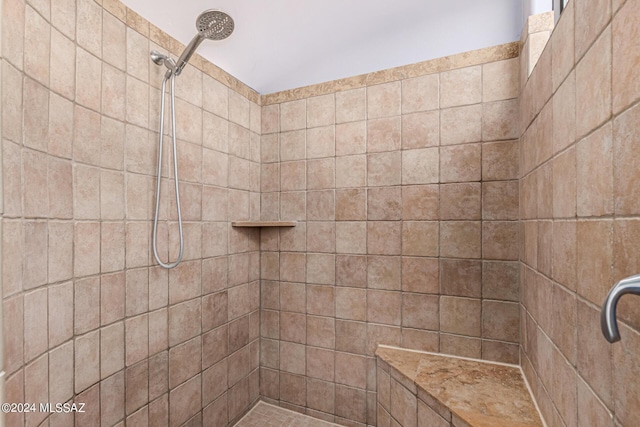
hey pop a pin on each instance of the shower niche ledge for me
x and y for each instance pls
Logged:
(428, 389)
(263, 223)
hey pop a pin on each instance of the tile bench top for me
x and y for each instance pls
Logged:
(478, 392)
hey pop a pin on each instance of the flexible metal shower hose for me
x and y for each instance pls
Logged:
(169, 75)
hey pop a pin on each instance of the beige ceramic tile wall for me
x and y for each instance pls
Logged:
(580, 215)
(88, 317)
(406, 195)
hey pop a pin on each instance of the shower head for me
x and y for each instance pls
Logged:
(211, 24)
(214, 25)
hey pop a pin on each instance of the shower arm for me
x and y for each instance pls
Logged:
(608, 322)
(188, 53)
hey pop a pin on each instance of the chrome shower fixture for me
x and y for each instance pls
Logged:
(161, 59)
(211, 24)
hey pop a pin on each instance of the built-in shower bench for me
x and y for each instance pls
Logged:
(419, 389)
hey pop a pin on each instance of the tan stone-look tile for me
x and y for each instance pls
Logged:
(500, 80)
(594, 173)
(351, 205)
(35, 194)
(625, 162)
(500, 240)
(460, 239)
(321, 269)
(564, 184)
(624, 72)
(420, 93)
(501, 320)
(293, 115)
(321, 332)
(500, 120)
(420, 130)
(35, 324)
(351, 138)
(86, 248)
(62, 58)
(500, 280)
(321, 142)
(321, 174)
(350, 303)
(593, 84)
(544, 197)
(384, 134)
(321, 205)
(293, 145)
(564, 114)
(351, 171)
(590, 409)
(595, 275)
(420, 166)
(293, 207)
(460, 316)
(420, 202)
(460, 201)
(500, 200)
(185, 401)
(60, 304)
(420, 238)
(384, 272)
(61, 372)
(36, 115)
(321, 111)
(13, 317)
(12, 95)
(351, 270)
(13, 29)
(420, 275)
(384, 203)
(351, 105)
(351, 404)
(564, 253)
(351, 237)
(461, 124)
(460, 163)
(384, 238)
(114, 40)
(590, 20)
(320, 364)
(86, 136)
(87, 361)
(112, 348)
(321, 300)
(384, 169)
(461, 87)
(384, 307)
(12, 180)
(293, 327)
(136, 339)
(60, 189)
(37, 46)
(461, 278)
(499, 160)
(383, 100)
(420, 311)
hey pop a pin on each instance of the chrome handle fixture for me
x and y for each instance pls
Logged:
(608, 322)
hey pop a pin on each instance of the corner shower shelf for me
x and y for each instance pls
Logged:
(263, 223)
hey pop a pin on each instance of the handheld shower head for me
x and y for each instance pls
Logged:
(211, 24)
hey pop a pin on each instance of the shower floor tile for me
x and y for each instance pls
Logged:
(266, 415)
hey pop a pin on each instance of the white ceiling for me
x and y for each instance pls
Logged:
(284, 44)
